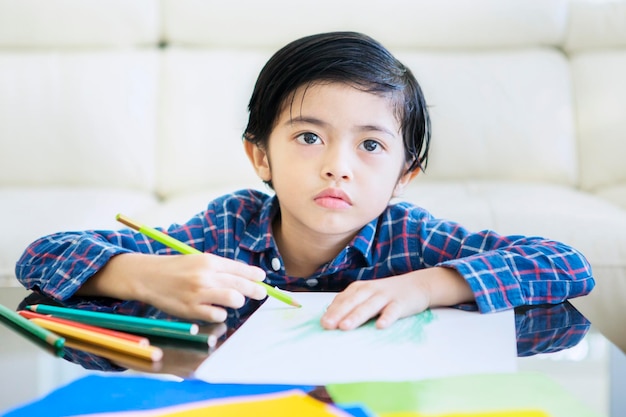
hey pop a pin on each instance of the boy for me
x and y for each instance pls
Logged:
(337, 128)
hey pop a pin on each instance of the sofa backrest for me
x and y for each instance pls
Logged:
(497, 86)
(596, 44)
(152, 95)
(79, 93)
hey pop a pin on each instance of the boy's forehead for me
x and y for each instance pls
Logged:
(312, 99)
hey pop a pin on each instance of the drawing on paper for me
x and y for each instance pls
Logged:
(407, 330)
(286, 345)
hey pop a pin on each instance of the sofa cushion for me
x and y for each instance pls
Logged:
(595, 25)
(203, 115)
(600, 100)
(78, 118)
(499, 115)
(399, 23)
(615, 194)
(78, 23)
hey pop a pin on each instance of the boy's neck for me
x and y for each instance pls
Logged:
(303, 253)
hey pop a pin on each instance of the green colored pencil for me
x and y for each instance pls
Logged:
(118, 321)
(186, 249)
(32, 331)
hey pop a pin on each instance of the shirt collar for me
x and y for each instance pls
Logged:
(364, 241)
(258, 236)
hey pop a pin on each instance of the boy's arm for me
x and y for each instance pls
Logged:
(58, 264)
(195, 287)
(508, 271)
(125, 271)
(452, 266)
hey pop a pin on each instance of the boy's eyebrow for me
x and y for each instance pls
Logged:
(318, 122)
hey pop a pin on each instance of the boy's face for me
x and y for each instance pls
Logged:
(335, 158)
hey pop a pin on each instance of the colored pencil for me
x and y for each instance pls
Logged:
(114, 343)
(110, 320)
(140, 340)
(186, 249)
(32, 331)
(153, 333)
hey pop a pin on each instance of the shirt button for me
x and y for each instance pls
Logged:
(312, 282)
(275, 264)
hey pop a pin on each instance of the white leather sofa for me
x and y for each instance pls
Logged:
(138, 106)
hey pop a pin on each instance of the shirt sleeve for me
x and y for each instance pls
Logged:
(507, 271)
(58, 265)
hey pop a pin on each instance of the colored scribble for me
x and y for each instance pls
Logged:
(410, 329)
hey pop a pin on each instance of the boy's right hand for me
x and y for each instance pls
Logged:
(196, 287)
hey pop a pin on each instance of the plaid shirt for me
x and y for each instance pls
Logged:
(502, 271)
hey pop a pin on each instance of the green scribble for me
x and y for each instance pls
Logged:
(407, 330)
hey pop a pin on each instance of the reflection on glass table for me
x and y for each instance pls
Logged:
(539, 329)
(553, 339)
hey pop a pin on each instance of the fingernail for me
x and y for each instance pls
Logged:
(328, 322)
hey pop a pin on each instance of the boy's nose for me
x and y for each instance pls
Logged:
(337, 165)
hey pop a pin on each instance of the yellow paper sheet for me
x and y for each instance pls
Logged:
(282, 404)
(511, 413)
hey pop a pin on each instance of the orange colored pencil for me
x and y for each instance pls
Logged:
(142, 341)
(115, 343)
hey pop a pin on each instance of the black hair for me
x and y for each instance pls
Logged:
(345, 57)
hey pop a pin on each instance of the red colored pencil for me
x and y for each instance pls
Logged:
(141, 341)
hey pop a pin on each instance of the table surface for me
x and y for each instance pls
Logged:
(555, 340)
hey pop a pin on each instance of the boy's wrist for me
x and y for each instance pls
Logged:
(114, 279)
(445, 287)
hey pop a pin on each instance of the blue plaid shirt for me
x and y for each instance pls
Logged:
(503, 271)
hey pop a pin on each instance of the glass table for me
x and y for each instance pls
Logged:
(555, 340)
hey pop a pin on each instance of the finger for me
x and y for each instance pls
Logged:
(342, 305)
(210, 313)
(389, 315)
(363, 312)
(227, 297)
(248, 288)
(238, 268)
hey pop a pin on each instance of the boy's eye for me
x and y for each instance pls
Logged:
(308, 138)
(371, 145)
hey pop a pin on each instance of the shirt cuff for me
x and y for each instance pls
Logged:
(489, 276)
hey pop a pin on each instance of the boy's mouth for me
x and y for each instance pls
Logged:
(333, 198)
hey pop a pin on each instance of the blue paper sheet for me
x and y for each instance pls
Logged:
(102, 393)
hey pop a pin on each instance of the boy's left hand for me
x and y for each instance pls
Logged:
(396, 297)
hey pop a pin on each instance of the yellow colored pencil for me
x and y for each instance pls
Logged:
(110, 342)
(186, 249)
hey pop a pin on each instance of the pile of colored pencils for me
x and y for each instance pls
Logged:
(124, 339)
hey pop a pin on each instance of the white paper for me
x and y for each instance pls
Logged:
(280, 344)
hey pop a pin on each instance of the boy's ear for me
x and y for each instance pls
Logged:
(403, 181)
(259, 160)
